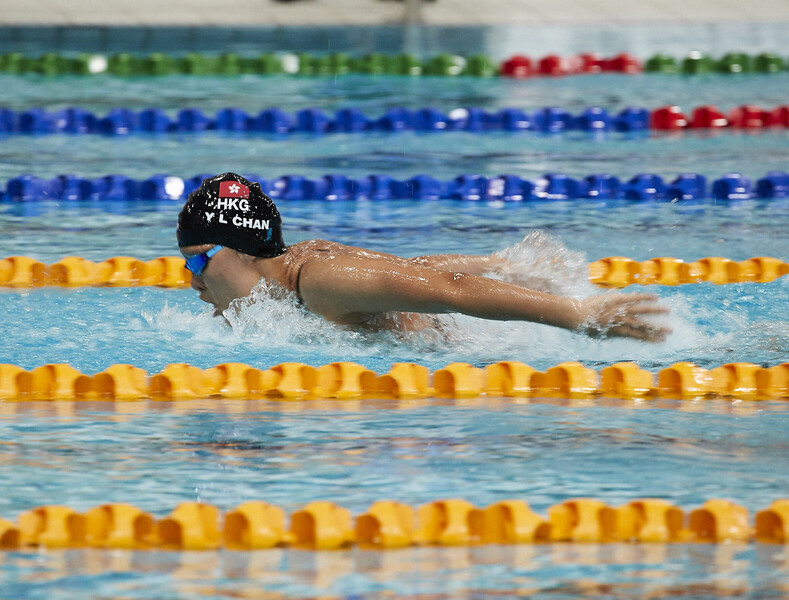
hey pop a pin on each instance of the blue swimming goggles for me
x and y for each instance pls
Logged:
(197, 263)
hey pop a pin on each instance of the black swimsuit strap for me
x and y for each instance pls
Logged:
(298, 277)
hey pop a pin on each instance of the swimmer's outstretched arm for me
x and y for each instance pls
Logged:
(351, 289)
(462, 263)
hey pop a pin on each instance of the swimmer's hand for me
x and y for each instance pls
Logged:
(621, 315)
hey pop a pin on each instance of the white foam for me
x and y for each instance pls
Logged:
(542, 262)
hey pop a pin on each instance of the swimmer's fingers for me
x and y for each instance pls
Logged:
(632, 326)
(619, 315)
(650, 309)
(640, 330)
(638, 310)
(631, 306)
(641, 303)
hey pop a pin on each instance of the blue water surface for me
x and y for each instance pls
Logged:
(156, 455)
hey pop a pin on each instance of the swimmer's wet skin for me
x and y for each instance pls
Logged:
(355, 286)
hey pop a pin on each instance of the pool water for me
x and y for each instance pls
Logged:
(565, 572)
(227, 452)
(156, 455)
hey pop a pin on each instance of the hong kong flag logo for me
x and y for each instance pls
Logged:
(233, 189)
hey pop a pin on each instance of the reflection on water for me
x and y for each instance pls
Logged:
(373, 95)
(539, 571)
(158, 454)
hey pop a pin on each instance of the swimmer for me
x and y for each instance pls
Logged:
(230, 233)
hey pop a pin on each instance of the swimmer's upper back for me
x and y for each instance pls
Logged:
(313, 252)
(316, 251)
(297, 255)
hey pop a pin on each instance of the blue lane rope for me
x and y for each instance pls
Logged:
(123, 121)
(274, 121)
(470, 187)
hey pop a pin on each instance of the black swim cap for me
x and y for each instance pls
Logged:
(231, 211)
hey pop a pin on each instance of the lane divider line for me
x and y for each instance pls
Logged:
(293, 381)
(23, 272)
(314, 121)
(229, 64)
(473, 187)
(389, 524)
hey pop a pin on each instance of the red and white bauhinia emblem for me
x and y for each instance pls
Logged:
(233, 189)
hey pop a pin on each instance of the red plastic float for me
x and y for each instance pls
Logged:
(623, 63)
(517, 67)
(590, 63)
(750, 117)
(780, 116)
(668, 117)
(707, 117)
(554, 65)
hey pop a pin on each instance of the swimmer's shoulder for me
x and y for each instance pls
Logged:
(320, 250)
(300, 254)
(317, 247)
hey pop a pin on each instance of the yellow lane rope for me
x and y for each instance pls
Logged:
(324, 525)
(169, 271)
(293, 381)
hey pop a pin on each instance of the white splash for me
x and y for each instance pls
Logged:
(542, 262)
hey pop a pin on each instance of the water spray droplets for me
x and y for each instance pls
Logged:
(542, 262)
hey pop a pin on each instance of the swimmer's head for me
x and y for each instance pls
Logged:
(233, 212)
